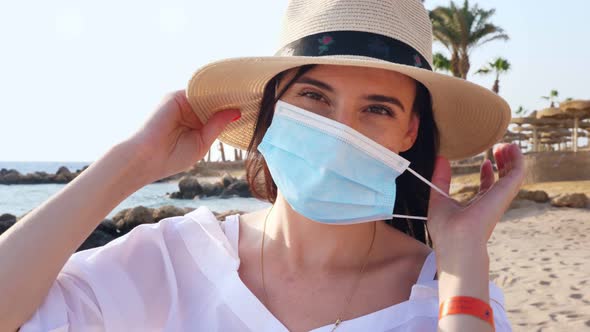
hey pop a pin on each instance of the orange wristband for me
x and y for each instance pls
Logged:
(467, 305)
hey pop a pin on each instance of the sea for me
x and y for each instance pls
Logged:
(20, 199)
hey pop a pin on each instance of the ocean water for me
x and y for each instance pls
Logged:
(19, 199)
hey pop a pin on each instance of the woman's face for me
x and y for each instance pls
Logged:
(375, 102)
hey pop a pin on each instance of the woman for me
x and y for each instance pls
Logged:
(342, 128)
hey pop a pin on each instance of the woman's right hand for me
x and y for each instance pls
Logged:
(173, 138)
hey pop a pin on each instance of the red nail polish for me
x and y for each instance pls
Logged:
(237, 118)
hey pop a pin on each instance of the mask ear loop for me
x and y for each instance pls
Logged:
(429, 183)
(431, 186)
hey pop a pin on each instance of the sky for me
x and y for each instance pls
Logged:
(77, 77)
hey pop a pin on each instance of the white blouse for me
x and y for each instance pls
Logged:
(181, 274)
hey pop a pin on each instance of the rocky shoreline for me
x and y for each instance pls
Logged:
(228, 186)
(64, 175)
(121, 223)
(125, 220)
(570, 200)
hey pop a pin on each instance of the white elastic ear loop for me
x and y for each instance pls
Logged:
(429, 183)
(431, 186)
(408, 217)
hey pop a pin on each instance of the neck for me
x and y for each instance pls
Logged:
(304, 245)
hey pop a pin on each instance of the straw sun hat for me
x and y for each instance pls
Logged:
(389, 34)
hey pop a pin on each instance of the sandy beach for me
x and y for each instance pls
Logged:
(540, 257)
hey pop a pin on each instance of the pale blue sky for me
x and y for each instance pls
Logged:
(76, 77)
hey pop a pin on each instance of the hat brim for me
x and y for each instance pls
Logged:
(470, 119)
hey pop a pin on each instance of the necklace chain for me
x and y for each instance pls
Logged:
(339, 319)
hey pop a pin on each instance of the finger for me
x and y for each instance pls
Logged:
(505, 189)
(507, 159)
(499, 160)
(486, 176)
(187, 116)
(517, 164)
(441, 178)
(216, 123)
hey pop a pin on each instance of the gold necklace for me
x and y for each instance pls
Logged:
(348, 299)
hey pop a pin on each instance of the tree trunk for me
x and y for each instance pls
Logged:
(464, 65)
(496, 87)
(490, 151)
(455, 69)
(222, 151)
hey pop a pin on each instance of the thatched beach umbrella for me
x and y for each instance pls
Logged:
(546, 120)
(511, 137)
(555, 136)
(527, 124)
(564, 119)
(578, 110)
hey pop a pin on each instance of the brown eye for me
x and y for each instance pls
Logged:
(381, 110)
(311, 95)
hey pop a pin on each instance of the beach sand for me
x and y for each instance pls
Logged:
(540, 257)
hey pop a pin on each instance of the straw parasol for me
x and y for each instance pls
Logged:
(578, 110)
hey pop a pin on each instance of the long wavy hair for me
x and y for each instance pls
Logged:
(412, 195)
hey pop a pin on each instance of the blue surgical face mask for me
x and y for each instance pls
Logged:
(329, 172)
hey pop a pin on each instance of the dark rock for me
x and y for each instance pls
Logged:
(176, 195)
(212, 189)
(83, 169)
(6, 224)
(577, 200)
(167, 212)
(538, 196)
(238, 188)
(97, 238)
(227, 180)
(133, 217)
(63, 175)
(7, 217)
(34, 178)
(120, 215)
(108, 226)
(63, 170)
(11, 176)
(189, 187)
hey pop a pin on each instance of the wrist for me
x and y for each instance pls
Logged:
(133, 164)
(457, 259)
(464, 273)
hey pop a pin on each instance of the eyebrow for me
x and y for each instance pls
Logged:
(373, 98)
(385, 99)
(316, 83)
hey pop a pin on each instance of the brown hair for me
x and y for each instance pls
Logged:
(412, 195)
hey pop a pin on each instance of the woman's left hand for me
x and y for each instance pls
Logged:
(455, 227)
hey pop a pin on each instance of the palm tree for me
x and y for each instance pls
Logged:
(461, 29)
(520, 111)
(551, 97)
(498, 66)
(441, 62)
